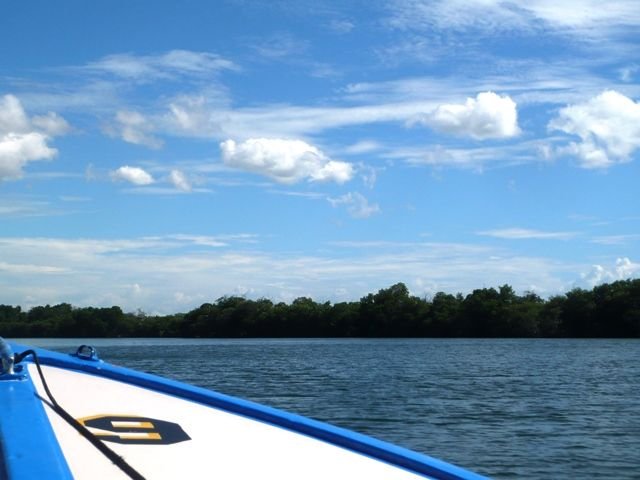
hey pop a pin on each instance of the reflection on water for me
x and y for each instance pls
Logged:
(526, 409)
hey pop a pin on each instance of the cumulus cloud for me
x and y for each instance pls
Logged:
(623, 269)
(608, 126)
(133, 127)
(24, 140)
(12, 116)
(16, 150)
(357, 205)
(285, 161)
(487, 116)
(180, 181)
(134, 175)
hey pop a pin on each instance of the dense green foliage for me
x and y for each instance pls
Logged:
(610, 310)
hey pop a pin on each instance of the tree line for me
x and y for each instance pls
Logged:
(609, 310)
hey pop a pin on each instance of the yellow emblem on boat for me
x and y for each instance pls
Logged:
(133, 429)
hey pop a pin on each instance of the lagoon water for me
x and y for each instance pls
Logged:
(525, 409)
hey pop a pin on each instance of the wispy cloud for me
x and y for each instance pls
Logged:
(475, 158)
(526, 234)
(616, 239)
(341, 26)
(180, 180)
(363, 146)
(102, 272)
(356, 204)
(577, 17)
(170, 65)
(133, 127)
(290, 193)
(170, 191)
(26, 269)
(204, 109)
(282, 121)
(526, 81)
(24, 207)
(280, 46)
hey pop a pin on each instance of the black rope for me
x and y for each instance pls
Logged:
(82, 430)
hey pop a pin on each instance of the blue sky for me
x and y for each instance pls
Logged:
(158, 155)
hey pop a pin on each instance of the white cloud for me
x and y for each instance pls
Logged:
(597, 275)
(413, 47)
(415, 100)
(616, 239)
(13, 118)
(341, 26)
(180, 181)
(285, 161)
(584, 17)
(16, 150)
(526, 81)
(191, 114)
(363, 146)
(628, 73)
(487, 116)
(608, 125)
(292, 193)
(133, 127)
(24, 140)
(452, 14)
(135, 175)
(21, 207)
(475, 159)
(101, 272)
(527, 234)
(280, 46)
(26, 269)
(172, 64)
(51, 124)
(368, 174)
(623, 269)
(210, 116)
(357, 205)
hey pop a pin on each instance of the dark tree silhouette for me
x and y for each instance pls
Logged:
(610, 310)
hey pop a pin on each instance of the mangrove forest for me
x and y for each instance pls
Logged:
(610, 310)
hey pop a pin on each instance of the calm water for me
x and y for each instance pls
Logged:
(526, 409)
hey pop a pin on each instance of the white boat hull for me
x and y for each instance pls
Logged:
(167, 430)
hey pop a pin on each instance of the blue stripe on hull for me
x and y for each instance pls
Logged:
(30, 450)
